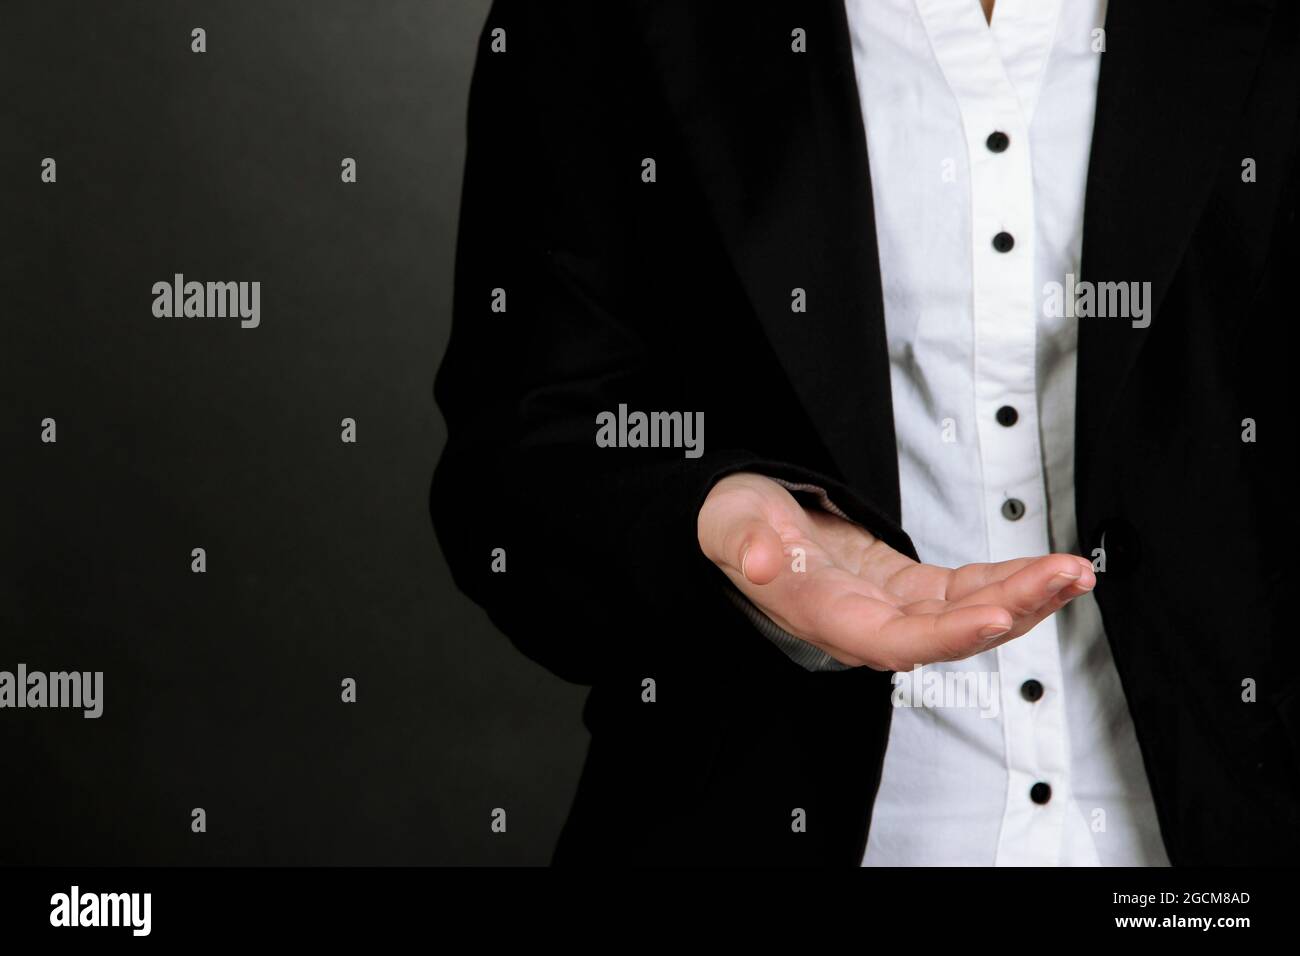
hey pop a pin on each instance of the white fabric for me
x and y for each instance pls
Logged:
(968, 332)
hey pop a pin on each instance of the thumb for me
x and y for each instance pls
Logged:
(752, 548)
(734, 529)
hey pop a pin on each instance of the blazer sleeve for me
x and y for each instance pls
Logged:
(585, 557)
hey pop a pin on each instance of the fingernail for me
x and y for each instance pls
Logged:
(992, 631)
(743, 558)
(1060, 580)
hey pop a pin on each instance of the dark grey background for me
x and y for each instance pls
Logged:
(222, 690)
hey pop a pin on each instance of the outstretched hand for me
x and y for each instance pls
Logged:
(860, 600)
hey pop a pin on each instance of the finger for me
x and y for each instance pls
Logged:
(738, 514)
(910, 638)
(969, 578)
(1067, 594)
(1028, 593)
(753, 548)
(734, 534)
(832, 609)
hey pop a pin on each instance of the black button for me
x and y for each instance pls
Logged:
(1013, 509)
(1004, 242)
(1031, 690)
(1040, 793)
(997, 142)
(1007, 416)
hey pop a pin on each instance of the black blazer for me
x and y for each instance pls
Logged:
(675, 295)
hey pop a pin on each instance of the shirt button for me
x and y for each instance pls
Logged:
(997, 142)
(1004, 242)
(1040, 793)
(1013, 509)
(1031, 690)
(1007, 416)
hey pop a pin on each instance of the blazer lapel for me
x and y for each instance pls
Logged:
(778, 147)
(1172, 77)
(777, 143)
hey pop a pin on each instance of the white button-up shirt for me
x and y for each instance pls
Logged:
(969, 333)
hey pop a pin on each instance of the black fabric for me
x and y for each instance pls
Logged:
(675, 295)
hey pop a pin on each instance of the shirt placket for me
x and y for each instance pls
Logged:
(1014, 489)
(1005, 309)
